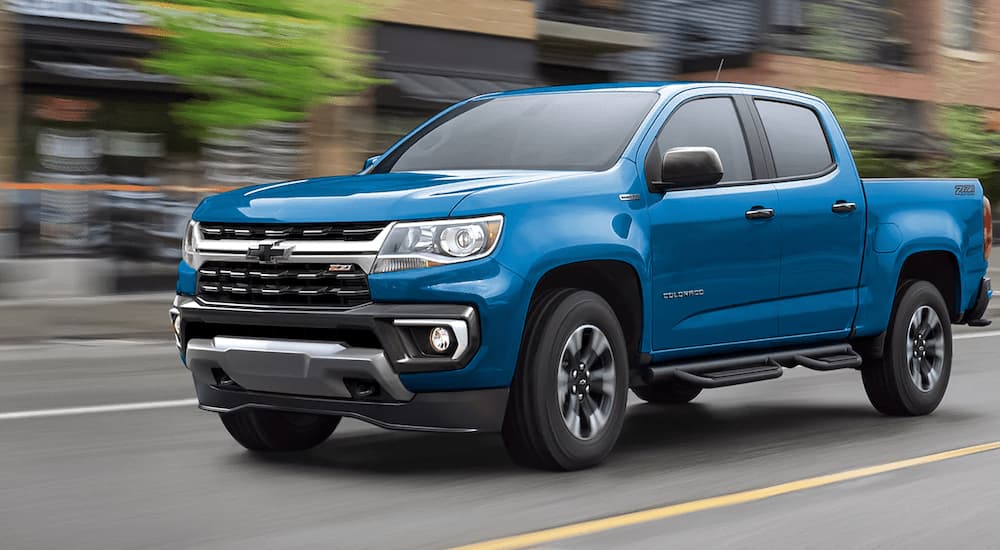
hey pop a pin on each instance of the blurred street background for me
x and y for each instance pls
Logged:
(117, 116)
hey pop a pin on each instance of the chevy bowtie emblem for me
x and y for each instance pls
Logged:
(339, 268)
(268, 253)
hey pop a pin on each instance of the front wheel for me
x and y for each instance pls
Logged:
(912, 375)
(567, 401)
(264, 430)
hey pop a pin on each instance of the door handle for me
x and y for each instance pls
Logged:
(842, 207)
(760, 213)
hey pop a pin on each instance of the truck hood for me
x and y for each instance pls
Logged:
(373, 197)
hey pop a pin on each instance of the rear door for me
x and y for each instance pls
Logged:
(714, 265)
(821, 218)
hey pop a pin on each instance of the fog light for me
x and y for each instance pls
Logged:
(440, 339)
(175, 323)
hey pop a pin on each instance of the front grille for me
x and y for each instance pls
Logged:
(308, 232)
(287, 284)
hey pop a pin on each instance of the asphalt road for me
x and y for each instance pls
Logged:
(171, 477)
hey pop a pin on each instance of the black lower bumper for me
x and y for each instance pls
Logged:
(460, 411)
(975, 315)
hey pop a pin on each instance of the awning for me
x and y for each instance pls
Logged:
(101, 72)
(440, 88)
(431, 68)
(592, 38)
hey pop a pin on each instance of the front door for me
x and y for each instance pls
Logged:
(715, 252)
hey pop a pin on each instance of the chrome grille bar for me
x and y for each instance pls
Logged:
(350, 231)
(285, 284)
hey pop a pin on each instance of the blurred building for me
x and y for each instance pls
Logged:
(80, 110)
(94, 138)
(899, 59)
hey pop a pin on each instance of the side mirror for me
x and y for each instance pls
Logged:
(689, 167)
(369, 162)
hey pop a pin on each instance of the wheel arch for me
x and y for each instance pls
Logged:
(939, 268)
(936, 265)
(616, 281)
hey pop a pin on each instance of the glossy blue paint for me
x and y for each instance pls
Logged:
(887, 237)
(929, 217)
(806, 276)
(821, 251)
(373, 197)
(495, 291)
(186, 279)
(702, 242)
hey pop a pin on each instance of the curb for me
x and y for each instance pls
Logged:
(163, 297)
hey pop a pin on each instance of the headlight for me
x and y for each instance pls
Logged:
(189, 249)
(414, 245)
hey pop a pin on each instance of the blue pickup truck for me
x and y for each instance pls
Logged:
(522, 260)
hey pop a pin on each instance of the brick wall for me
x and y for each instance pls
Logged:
(938, 75)
(512, 18)
(339, 136)
(9, 95)
(9, 107)
(801, 73)
(973, 77)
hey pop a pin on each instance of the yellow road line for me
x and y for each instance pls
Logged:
(653, 514)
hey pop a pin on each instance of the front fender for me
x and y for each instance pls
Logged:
(577, 218)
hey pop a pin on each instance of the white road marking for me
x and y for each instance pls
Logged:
(73, 411)
(971, 335)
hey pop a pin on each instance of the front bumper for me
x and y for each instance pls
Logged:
(296, 360)
(462, 411)
(385, 330)
(498, 297)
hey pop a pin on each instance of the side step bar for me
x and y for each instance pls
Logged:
(742, 369)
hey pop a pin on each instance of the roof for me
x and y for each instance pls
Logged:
(642, 87)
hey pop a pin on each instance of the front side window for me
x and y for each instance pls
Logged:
(550, 131)
(798, 143)
(710, 122)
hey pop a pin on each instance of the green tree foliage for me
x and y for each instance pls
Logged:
(968, 150)
(252, 61)
(857, 120)
(973, 153)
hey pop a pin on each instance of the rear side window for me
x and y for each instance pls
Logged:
(710, 122)
(798, 143)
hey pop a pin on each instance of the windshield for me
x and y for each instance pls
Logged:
(556, 131)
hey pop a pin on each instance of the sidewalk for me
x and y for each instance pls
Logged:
(116, 316)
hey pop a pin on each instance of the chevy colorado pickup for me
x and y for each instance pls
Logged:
(521, 260)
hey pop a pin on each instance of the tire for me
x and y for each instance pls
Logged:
(561, 416)
(671, 393)
(912, 375)
(267, 431)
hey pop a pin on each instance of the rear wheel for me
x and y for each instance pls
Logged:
(911, 377)
(265, 430)
(671, 393)
(567, 402)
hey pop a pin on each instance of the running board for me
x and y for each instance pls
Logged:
(743, 369)
(733, 377)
